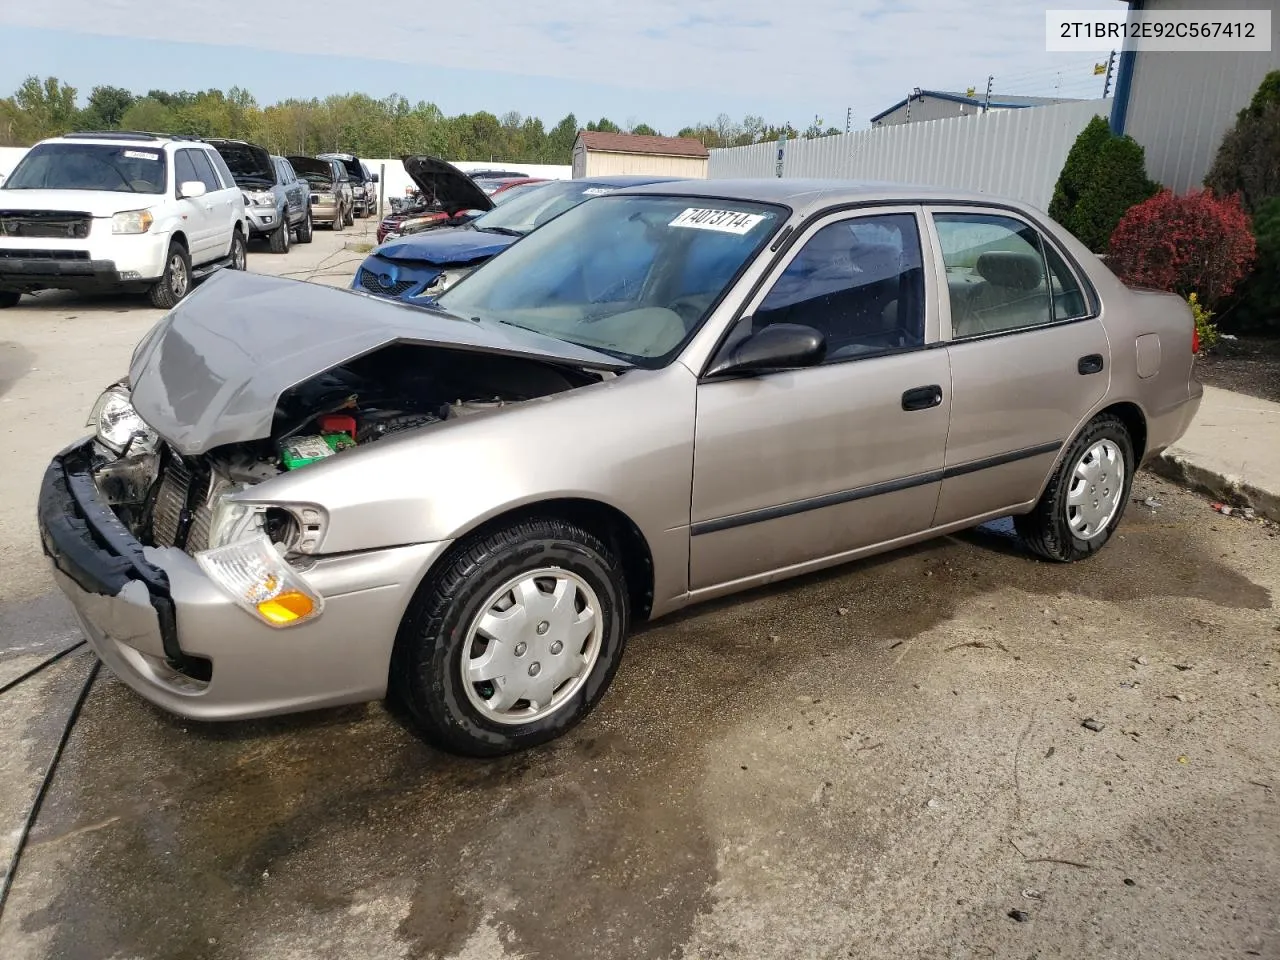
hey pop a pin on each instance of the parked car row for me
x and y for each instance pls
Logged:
(668, 391)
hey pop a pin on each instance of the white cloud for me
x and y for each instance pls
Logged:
(865, 52)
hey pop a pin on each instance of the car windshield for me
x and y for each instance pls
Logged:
(531, 208)
(633, 276)
(90, 166)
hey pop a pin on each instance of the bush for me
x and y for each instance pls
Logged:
(1248, 160)
(1198, 243)
(1077, 172)
(1206, 329)
(1259, 306)
(1103, 176)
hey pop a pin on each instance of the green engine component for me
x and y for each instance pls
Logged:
(299, 451)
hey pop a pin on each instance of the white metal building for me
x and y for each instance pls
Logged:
(1178, 105)
(619, 154)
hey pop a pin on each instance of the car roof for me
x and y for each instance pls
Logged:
(120, 138)
(625, 180)
(806, 194)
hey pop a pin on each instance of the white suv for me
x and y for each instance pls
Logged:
(93, 211)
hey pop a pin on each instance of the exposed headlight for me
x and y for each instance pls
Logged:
(260, 199)
(443, 282)
(116, 424)
(258, 579)
(291, 528)
(132, 221)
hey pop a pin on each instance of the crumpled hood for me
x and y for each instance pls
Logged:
(211, 372)
(441, 247)
(451, 188)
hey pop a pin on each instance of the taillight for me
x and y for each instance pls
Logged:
(1195, 340)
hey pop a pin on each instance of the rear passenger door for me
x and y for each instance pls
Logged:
(1029, 358)
(222, 195)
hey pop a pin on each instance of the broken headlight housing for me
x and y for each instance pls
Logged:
(292, 528)
(258, 579)
(116, 424)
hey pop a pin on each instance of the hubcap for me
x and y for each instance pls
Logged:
(1097, 484)
(238, 259)
(177, 276)
(532, 646)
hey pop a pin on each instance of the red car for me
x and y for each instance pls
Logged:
(446, 197)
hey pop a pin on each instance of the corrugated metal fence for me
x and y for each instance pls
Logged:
(1012, 153)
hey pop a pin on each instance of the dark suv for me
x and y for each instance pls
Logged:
(364, 185)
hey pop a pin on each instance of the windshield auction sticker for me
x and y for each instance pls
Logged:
(1102, 30)
(140, 155)
(723, 221)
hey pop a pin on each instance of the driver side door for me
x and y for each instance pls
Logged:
(798, 466)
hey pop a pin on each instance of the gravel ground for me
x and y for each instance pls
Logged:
(1246, 365)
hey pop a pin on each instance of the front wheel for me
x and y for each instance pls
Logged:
(515, 640)
(9, 298)
(1086, 497)
(351, 215)
(280, 238)
(339, 221)
(175, 282)
(305, 229)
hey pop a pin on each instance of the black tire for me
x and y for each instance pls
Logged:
(1045, 530)
(339, 221)
(280, 237)
(175, 282)
(351, 215)
(238, 258)
(9, 298)
(306, 229)
(426, 670)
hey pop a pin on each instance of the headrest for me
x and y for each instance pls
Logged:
(1010, 268)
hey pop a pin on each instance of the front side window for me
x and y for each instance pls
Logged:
(204, 172)
(634, 276)
(859, 282)
(996, 276)
(90, 166)
(184, 170)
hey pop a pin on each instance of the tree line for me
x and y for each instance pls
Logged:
(353, 123)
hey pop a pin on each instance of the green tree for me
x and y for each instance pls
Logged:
(1120, 181)
(1248, 159)
(148, 114)
(1259, 305)
(49, 106)
(1077, 172)
(604, 125)
(559, 146)
(106, 108)
(644, 130)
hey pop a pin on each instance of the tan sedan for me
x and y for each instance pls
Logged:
(303, 496)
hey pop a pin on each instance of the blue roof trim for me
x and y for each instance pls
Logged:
(1124, 82)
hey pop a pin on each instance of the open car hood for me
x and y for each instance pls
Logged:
(304, 165)
(247, 161)
(450, 187)
(211, 372)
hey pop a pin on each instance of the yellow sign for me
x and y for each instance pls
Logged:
(1099, 68)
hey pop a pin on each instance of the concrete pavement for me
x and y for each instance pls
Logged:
(1231, 452)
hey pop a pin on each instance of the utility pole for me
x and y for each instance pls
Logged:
(848, 119)
(986, 101)
(1111, 69)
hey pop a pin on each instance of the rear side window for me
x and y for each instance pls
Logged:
(1068, 299)
(995, 274)
(859, 282)
(220, 167)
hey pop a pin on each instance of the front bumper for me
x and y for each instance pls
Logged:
(172, 635)
(263, 220)
(394, 280)
(101, 260)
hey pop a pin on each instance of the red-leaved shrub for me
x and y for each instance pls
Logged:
(1196, 243)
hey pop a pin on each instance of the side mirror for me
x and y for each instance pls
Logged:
(191, 190)
(776, 347)
(375, 178)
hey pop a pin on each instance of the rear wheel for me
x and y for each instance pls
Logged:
(305, 229)
(351, 215)
(9, 298)
(514, 640)
(339, 221)
(1085, 499)
(175, 282)
(239, 251)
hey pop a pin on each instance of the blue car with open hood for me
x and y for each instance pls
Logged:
(424, 265)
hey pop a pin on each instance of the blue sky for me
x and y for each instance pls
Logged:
(630, 60)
